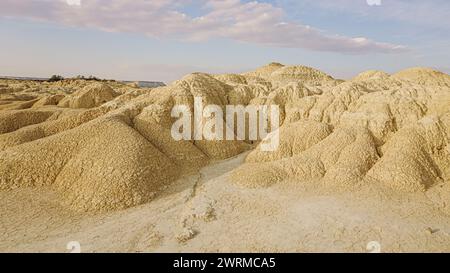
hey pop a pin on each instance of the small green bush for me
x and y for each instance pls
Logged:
(56, 78)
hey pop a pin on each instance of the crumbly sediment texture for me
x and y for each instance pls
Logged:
(87, 150)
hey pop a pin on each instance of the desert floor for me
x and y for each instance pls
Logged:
(205, 212)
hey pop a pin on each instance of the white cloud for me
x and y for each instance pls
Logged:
(73, 2)
(251, 22)
(429, 13)
(373, 2)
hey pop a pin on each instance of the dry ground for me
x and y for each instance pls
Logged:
(222, 217)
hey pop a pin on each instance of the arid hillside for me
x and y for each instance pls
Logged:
(102, 147)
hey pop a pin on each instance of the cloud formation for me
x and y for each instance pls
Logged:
(250, 22)
(429, 13)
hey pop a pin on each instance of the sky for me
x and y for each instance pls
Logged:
(162, 40)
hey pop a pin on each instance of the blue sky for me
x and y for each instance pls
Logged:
(165, 39)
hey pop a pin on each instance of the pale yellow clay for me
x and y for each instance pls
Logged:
(367, 159)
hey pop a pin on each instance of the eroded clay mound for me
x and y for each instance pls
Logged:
(417, 157)
(294, 139)
(109, 146)
(117, 168)
(90, 96)
(48, 100)
(113, 156)
(231, 78)
(264, 72)
(342, 158)
(423, 76)
(15, 119)
(303, 74)
(371, 75)
(386, 130)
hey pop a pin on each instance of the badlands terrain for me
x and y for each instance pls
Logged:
(360, 162)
